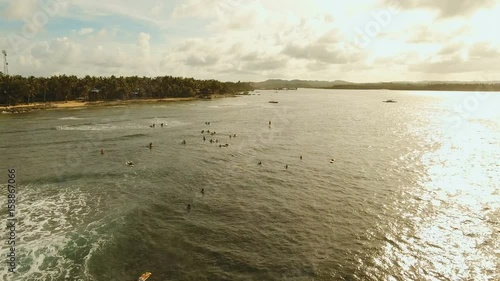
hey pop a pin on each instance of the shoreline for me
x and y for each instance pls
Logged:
(23, 108)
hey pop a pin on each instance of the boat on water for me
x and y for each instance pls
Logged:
(389, 101)
(273, 101)
(144, 276)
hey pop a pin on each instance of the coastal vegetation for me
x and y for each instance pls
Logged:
(20, 90)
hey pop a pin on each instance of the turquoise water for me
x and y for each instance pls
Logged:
(413, 192)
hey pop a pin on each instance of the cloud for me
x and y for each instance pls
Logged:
(194, 60)
(20, 9)
(144, 45)
(451, 49)
(265, 64)
(317, 52)
(484, 50)
(240, 19)
(110, 59)
(459, 58)
(205, 8)
(85, 30)
(454, 64)
(428, 34)
(238, 39)
(445, 8)
(68, 52)
(157, 9)
(147, 12)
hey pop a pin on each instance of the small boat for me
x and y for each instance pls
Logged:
(144, 276)
(389, 101)
(273, 101)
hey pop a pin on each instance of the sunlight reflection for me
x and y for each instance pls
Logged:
(450, 226)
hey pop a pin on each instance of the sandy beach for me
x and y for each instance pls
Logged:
(76, 104)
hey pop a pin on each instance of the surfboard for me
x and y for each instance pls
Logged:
(144, 276)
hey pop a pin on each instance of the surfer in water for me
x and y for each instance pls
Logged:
(102, 151)
(162, 125)
(260, 163)
(188, 207)
(286, 166)
(202, 191)
(204, 139)
(150, 145)
(129, 163)
(184, 142)
(300, 157)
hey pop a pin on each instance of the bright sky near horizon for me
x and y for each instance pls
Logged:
(253, 40)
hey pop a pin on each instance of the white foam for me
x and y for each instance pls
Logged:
(101, 127)
(71, 118)
(50, 223)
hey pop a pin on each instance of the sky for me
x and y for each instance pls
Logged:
(255, 40)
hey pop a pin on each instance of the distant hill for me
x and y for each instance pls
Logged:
(399, 85)
(424, 86)
(279, 83)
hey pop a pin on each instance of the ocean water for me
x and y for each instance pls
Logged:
(413, 193)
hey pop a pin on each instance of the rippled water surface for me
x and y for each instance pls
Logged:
(413, 193)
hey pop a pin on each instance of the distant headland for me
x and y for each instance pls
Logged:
(276, 84)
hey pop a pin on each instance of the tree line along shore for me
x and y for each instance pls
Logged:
(17, 90)
(21, 94)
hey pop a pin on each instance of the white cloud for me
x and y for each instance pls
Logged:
(207, 8)
(254, 39)
(144, 45)
(446, 8)
(20, 9)
(85, 30)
